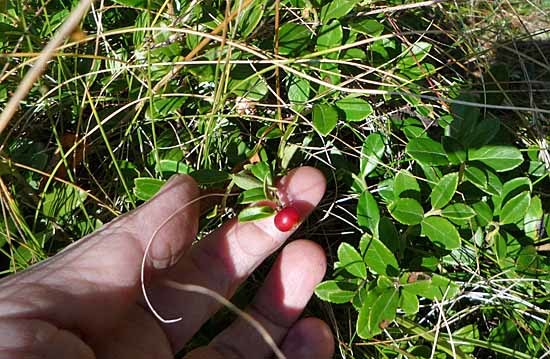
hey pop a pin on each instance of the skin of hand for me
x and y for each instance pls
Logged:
(86, 301)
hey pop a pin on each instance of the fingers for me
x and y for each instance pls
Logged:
(225, 258)
(103, 269)
(310, 338)
(20, 338)
(285, 293)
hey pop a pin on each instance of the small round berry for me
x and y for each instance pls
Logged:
(287, 219)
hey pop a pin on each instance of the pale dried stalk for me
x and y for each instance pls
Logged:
(40, 66)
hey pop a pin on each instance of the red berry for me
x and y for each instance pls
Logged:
(287, 219)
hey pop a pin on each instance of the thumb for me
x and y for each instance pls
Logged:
(104, 267)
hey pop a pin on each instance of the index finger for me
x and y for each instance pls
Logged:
(225, 258)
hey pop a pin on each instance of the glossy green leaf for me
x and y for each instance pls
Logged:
(444, 190)
(164, 106)
(249, 18)
(325, 118)
(293, 38)
(254, 213)
(483, 133)
(252, 196)
(413, 55)
(261, 171)
(355, 108)
(436, 287)
(510, 189)
(244, 181)
(458, 211)
(371, 153)
(469, 331)
(405, 185)
(335, 9)
(408, 302)
(351, 260)
(367, 27)
(206, 177)
(498, 157)
(373, 317)
(454, 149)
(484, 213)
(532, 222)
(329, 36)
(171, 166)
(514, 210)
(407, 211)
(379, 258)
(298, 90)
(336, 291)
(387, 232)
(427, 151)
(368, 213)
(441, 232)
(145, 187)
(62, 200)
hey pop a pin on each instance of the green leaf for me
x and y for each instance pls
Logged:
(437, 287)
(387, 232)
(371, 153)
(484, 132)
(407, 211)
(351, 260)
(356, 109)
(246, 82)
(454, 149)
(441, 232)
(132, 3)
(458, 211)
(483, 179)
(368, 213)
(325, 118)
(405, 185)
(171, 166)
(510, 189)
(444, 190)
(245, 181)
(414, 54)
(367, 27)
(379, 258)
(408, 302)
(208, 177)
(145, 187)
(469, 331)
(293, 38)
(298, 90)
(62, 201)
(336, 291)
(252, 196)
(427, 151)
(164, 106)
(372, 317)
(254, 213)
(330, 35)
(336, 9)
(465, 119)
(261, 171)
(514, 210)
(498, 157)
(484, 214)
(249, 18)
(532, 222)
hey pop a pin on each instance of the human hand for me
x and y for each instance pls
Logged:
(86, 301)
